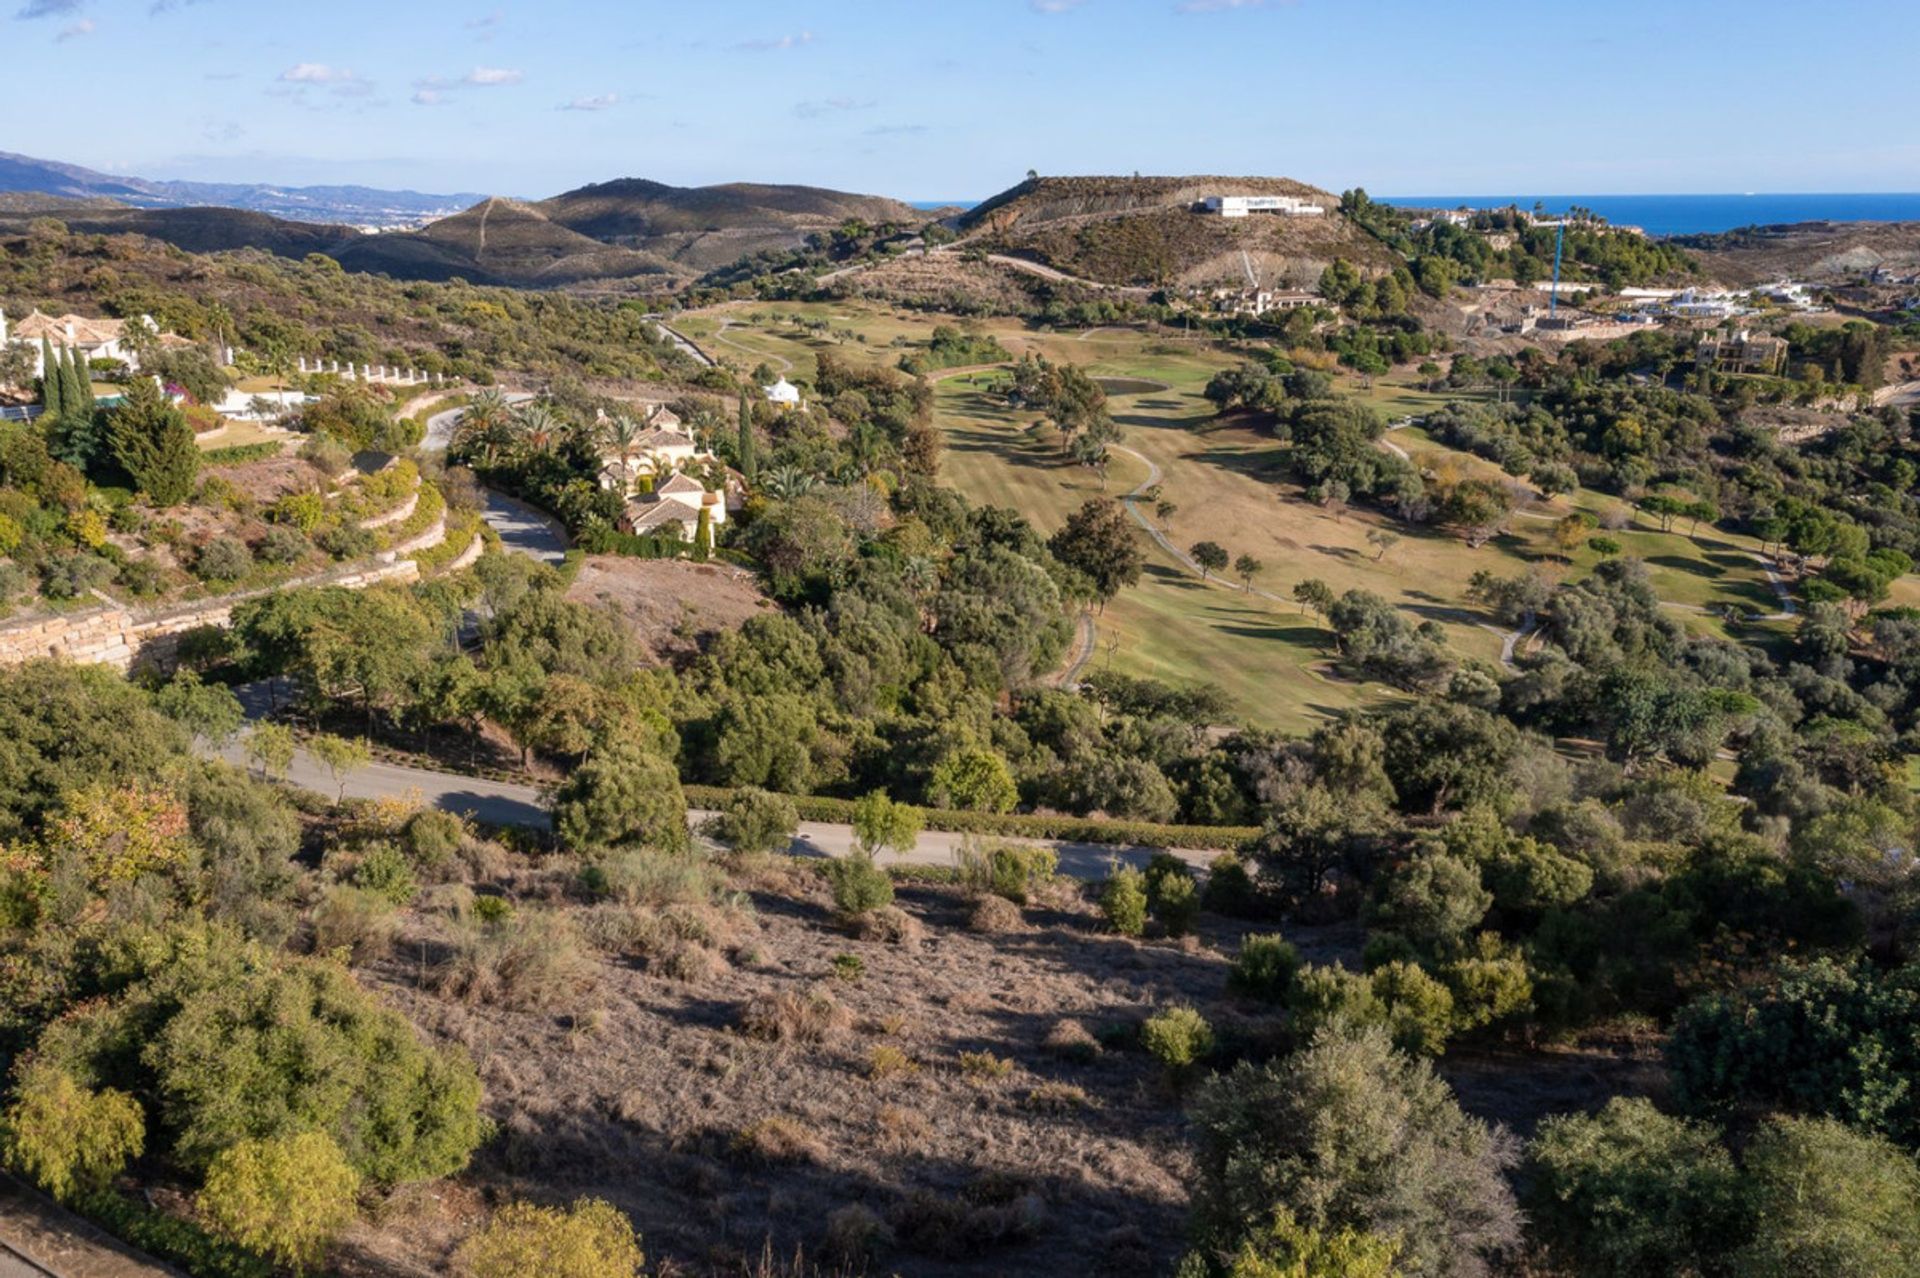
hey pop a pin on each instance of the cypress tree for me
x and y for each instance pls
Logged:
(73, 387)
(748, 463)
(153, 440)
(51, 381)
(703, 535)
(83, 380)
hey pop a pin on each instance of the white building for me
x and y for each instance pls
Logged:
(88, 339)
(677, 504)
(784, 394)
(1244, 205)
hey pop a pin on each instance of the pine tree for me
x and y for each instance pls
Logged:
(748, 463)
(50, 381)
(154, 441)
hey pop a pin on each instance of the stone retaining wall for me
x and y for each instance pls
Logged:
(396, 515)
(117, 636)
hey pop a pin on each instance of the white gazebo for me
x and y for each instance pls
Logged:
(784, 394)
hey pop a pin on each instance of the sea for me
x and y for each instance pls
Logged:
(1697, 214)
(1669, 214)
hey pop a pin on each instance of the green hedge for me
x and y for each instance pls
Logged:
(235, 454)
(1020, 825)
(171, 1238)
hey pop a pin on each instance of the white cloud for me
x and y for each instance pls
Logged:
(1054, 6)
(779, 42)
(1221, 6)
(488, 77)
(428, 97)
(487, 21)
(827, 106)
(598, 102)
(317, 73)
(84, 27)
(889, 130)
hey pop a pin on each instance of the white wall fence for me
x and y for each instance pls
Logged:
(392, 376)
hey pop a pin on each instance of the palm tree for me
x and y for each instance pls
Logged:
(537, 427)
(620, 435)
(787, 482)
(485, 427)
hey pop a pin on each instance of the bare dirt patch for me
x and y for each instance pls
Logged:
(671, 606)
(269, 479)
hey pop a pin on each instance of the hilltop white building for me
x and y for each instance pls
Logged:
(1245, 205)
(784, 394)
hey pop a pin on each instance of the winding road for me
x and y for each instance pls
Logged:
(522, 527)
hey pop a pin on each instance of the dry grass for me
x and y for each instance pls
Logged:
(793, 1016)
(757, 1103)
(996, 914)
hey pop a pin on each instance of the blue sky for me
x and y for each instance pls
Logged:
(958, 98)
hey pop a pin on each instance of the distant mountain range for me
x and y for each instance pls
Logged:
(350, 205)
(628, 233)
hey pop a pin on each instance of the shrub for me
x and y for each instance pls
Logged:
(642, 876)
(985, 1067)
(1010, 870)
(995, 914)
(1488, 987)
(858, 884)
(1264, 968)
(1828, 1200)
(975, 778)
(1351, 1134)
(889, 924)
(68, 1140)
(1230, 888)
(326, 454)
(1419, 1009)
(756, 821)
(1123, 899)
(347, 541)
(533, 960)
(1177, 906)
(233, 1042)
(793, 1017)
(433, 838)
(854, 1235)
(848, 967)
(356, 920)
(624, 796)
(1326, 995)
(282, 544)
(1631, 1191)
(592, 1239)
(880, 824)
(888, 1061)
(383, 870)
(287, 1199)
(222, 559)
(492, 909)
(1177, 1038)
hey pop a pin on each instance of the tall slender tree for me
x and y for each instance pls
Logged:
(749, 464)
(51, 386)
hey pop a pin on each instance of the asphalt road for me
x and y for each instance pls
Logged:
(511, 803)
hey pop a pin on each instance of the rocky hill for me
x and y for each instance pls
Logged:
(703, 227)
(1146, 231)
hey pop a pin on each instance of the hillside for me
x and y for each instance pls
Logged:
(1820, 251)
(197, 230)
(500, 241)
(1144, 230)
(360, 205)
(708, 226)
